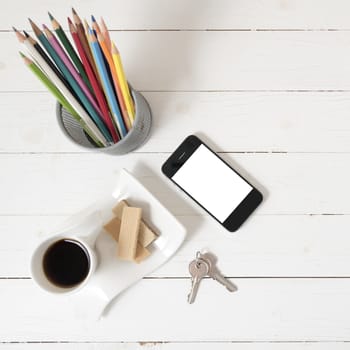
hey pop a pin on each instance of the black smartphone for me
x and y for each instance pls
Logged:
(212, 183)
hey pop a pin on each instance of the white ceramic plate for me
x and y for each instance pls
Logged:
(112, 275)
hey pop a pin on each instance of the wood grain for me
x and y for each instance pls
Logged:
(274, 75)
(261, 310)
(267, 246)
(194, 14)
(179, 346)
(256, 60)
(51, 184)
(245, 122)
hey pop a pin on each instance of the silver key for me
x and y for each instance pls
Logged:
(214, 273)
(198, 269)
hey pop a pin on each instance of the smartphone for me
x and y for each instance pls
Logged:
(212, 183)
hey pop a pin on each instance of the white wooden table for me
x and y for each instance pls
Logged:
(268, 84)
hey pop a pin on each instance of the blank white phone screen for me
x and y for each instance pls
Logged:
(212, 183)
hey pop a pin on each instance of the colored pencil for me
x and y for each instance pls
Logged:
(38, 48)
(95, 26)
(120, 96)
(75, 86)
(43, 53)
(87, 28)
(84, 42)
(65, 59)
(70, 50)
(105, 33)
(108, 89)
(68, 95)
(59, 96)
(123, 82)
(98, 92)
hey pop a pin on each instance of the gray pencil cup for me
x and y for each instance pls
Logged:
(134, 138)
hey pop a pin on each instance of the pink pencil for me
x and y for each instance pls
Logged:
(58, 48)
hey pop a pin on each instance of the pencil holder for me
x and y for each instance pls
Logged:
(135, 137)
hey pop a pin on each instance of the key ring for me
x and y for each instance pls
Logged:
(198, 256)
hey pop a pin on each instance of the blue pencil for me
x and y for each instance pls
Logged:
(107, 85)
(73, 83)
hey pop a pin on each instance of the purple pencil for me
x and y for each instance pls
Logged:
(58, 48)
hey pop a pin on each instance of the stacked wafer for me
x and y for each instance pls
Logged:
(131, 232)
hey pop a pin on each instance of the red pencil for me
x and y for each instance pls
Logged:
(94, 83)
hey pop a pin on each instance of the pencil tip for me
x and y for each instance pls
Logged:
(34, 26)
(26, 34)
(45, 27)
(74, 12)
(69, 20)
(86, 24)
(50, 16)
(14, 29)
(93, 18)
(114, 48)
(21, 54)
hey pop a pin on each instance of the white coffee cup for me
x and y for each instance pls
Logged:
(84, 234)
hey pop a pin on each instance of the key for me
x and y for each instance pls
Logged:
(198, 269)
(214, 273)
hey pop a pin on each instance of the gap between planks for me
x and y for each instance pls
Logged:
(207, 30)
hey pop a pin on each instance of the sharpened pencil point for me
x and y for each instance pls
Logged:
(26, 59)
(21, 38)
(31, 40)
(35, 28)
(74, 12)
(93, 18)
(71, 26)
(114, 48)
(14, 29)
(50, 16)
(86, 25)
(103, 25)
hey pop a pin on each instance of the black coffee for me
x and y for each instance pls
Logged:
(66, 263)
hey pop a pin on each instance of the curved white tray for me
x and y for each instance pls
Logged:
(112, 275)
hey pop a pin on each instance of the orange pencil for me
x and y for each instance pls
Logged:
(93, 80)
(105, 33)
(120, 97)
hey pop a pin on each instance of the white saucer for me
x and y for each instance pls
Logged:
(112, 275)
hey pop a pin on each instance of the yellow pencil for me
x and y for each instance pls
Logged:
(116, 82)
(123, 82)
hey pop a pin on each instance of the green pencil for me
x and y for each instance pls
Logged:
(70, 50)
(73, 83)
(60, 98)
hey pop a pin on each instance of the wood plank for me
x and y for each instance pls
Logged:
(194, 14)
(261, 310)
(179, 346)
(268, 245)
(53, 184)
(215, 61)
(244, 121)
